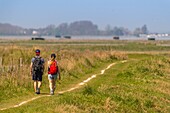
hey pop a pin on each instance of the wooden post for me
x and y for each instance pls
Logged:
(0, 61)
(20, 62)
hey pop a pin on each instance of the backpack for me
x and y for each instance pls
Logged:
(37, 65)
(53, 68)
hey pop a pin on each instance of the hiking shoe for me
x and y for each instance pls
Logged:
(38, 91)
(51, 92)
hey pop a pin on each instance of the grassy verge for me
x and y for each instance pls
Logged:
(135, 86)
(75, 65)
(140, 85)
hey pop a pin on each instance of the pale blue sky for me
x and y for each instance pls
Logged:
(122, 13)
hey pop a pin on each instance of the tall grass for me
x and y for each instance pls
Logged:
(135, 86)
(140, 87)
(16, 79)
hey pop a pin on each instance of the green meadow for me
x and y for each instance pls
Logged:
(142, 84)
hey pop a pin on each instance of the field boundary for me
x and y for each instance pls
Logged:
(61, 92)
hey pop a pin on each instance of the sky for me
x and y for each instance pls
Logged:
(121, 13)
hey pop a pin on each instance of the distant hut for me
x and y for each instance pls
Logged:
(37, 38)
(58, 36)
(116, 38)
(67, 37)
(151, 38)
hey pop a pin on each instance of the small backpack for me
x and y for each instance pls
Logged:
(53, 68)
(37, 65)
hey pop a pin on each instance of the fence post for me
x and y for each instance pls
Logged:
(20, 62)
(0, 61)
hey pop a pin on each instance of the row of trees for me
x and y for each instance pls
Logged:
(8, 29)
(78, 28)
(75, 28)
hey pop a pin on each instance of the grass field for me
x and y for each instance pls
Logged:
(140, 85)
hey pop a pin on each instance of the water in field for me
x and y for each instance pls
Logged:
(84, 37)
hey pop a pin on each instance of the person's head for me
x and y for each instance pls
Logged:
(53, 56)
(37, 52)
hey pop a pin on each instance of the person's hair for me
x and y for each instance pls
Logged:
(53, 55)
(37, 51)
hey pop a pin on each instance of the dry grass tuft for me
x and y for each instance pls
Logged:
(67, 109)
(109, 105)
(16, 61)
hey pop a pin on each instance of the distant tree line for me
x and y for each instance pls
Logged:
(8, 29)
(75, 28)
